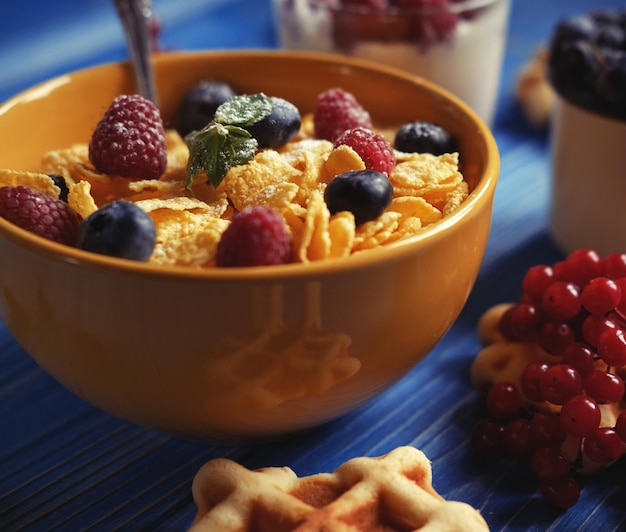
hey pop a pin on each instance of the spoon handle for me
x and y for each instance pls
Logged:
(135, 17)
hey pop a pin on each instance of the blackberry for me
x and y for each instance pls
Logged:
(586, 64)
(575, 69)
(611, 83)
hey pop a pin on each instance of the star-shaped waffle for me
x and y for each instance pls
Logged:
(393, 492)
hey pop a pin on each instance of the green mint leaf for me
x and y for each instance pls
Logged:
(244, 110)
(241, 145)
(216, 149)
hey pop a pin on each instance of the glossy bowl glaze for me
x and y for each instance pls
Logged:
(259, 352)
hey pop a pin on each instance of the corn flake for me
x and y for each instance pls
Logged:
(417, 207)
(313, 241)
(425, 173)
(245, 181)
(342, 159)
(341, 231)
(40, 182)
(455, 198)
(185, 238)
(291, 180)
(80, 199)
(376, 232)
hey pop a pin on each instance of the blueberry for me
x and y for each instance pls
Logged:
(119, 229)
(198, 106)
(59, 181)
(365, 193)
(424, 137)
(278, 127)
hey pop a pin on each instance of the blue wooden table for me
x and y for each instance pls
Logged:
(65, 465)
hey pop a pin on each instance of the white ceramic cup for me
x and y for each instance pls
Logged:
(588, 187)
(467, 62)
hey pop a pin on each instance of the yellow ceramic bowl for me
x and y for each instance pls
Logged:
(251, 352)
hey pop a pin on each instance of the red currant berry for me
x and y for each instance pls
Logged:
(555, 337)
(593, 326)
(580, 416)
(487, 438)
(603, 446)
(604, 387)
(600, 295)
(580, 357)
(546, 429)
(621, 306)
(561, 492)
(615, 265)
(530, 378)
(559, 383)
(503, 401)
(519, 322)
(549, 462)
(620, 425)
(526, 320)
(536, 280)
(612, 347)
(582, 265)
(560, 301)
(558, 268)
(517, 438)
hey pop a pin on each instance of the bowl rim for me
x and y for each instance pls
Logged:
(477, 198)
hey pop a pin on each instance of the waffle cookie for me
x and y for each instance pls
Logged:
(393, 492)
(533, 90)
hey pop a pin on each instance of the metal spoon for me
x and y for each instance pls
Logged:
(135, 17)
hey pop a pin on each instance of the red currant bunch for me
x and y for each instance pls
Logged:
(575, 311)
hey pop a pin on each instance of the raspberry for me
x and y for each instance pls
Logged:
(374, 149)
(337, 110)
(129, 140)
(433, 21)
(257, 236)
(354, 21)
(366, 5)
(38, 213)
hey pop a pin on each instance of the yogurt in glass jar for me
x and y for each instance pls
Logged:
(458, 45)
